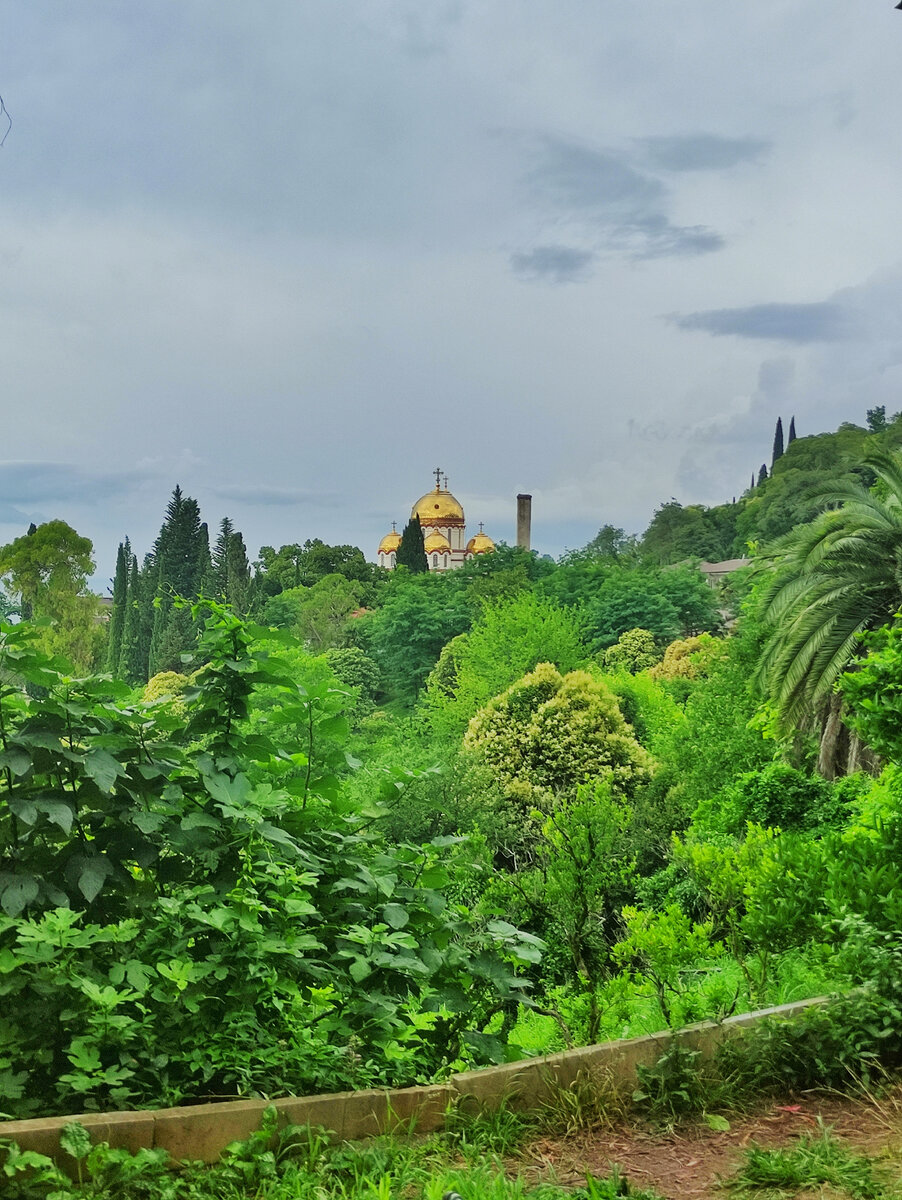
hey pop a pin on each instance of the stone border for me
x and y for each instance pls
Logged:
(202, 1131)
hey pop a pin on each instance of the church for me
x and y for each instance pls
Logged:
(444, 531)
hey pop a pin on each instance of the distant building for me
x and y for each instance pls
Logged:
(444, 531)
(716, 573)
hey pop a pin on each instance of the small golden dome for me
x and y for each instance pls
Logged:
(437, 543)
(480, 544)
(438, 507)
(389, 543)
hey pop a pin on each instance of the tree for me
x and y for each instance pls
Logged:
(633, 651)
(778, 443)
(836, 577)
(549, 733)
(792, 431)
(412, 550)
(180, 562)
(47, 570)
(132, 665)
(762, 474)
(877, 419)
(506, 641)
(117, 614)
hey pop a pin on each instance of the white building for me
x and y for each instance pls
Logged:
(444, 531)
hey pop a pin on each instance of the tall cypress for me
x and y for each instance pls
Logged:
(762, 474)
(132, 665)
(117, 614)
(412, 551)
(238, 575)
(792, 432)
(220, 557)
(778, 443)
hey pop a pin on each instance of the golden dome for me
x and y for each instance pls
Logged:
(437, 543)
(389, 543)
(438, 507)
(480, 544)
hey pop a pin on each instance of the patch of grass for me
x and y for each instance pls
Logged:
(500, 1130)
(816, 1159)
(593, 1101)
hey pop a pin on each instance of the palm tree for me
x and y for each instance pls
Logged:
(836, 577)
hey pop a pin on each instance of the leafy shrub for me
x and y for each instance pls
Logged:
(633, 651)
(188, 910)
(549, 733)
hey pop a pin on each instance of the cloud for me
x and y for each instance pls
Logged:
(702, 151)
(35, 482)
(822, 321)
(606, 196)
(554, 264)
(261, 493)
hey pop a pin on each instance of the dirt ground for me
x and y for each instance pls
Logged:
(686, 1164)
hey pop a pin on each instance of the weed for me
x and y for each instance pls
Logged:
(673, 1087)
(593, 1100)
(816, 1159)
(612, 1188)
(500, 1130)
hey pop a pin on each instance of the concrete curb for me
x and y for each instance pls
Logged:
(201, 1132)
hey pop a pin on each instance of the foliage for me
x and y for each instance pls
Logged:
(633, 651)
(548, 733)
(687, 658)
(356, 670)
(676, 533)
(406, 634)
(187, 911)
(775, 795)
(874, 692)
(506, 641)
(46, 570)
(815, 1159)
(317, 615)
(411, 549)
(671, 603)
(664, 947)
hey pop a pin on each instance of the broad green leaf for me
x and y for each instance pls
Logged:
(716, 1121)
(75, 1140)
(16, 895)
(58, 813)
(18, 760)
(24, 809)
(396, 916)
(103, 768)
(92, 877)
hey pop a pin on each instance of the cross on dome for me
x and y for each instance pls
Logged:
(438, 476)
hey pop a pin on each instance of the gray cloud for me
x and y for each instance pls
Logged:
(35, 482)
(263, 494)
(822, 321)
(702, 151)
(607, 194)
(553, 264)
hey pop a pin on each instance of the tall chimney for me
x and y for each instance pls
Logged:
(524, 520)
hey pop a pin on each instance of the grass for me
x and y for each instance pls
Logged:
(769, 1174)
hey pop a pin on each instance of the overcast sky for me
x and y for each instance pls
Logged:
(294, 254)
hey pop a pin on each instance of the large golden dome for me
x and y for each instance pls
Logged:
(438, 507)
(437, 543)
(389, 543)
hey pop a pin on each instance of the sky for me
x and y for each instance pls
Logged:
(294, 255)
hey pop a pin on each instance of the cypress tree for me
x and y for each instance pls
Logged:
(220, 557)
(762, 474)
(117, 615)
(132, 665)
(412, 551)
(778, 443)
(752, 484)
(238, 575)
(792, 432)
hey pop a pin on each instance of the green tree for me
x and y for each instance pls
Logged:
(549, 733)
(778, 443)
(835, 578)
(406, 635)
(180, 562)
(412, 551)
(506, 641)
(117, 612)
(132, 665)
(47, 570)
(633, 651)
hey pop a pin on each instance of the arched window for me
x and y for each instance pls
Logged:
(393, 560)
(435, 560)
